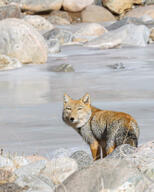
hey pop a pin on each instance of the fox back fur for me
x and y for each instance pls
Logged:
(101, 129)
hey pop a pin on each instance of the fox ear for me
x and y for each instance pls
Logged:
(86, 99)
(66, 98)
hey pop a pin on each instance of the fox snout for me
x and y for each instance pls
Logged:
(72, 119)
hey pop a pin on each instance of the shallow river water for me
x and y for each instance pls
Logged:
(31, 98)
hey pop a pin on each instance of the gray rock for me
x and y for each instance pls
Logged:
(131, 20)
(31, 169)
(98, 2)
(121, 152)
(7, 63)
(53, 46)
(62, 14)
(39, 5)
(149, 2)
(63, 68)
(106, 174)
(54, 19)
(20, 40)
(63, 36)
(10, 11)
(82, 158)
(118, 66)
(127, 35)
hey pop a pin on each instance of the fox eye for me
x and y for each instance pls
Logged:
(68, 108)
(80, 108)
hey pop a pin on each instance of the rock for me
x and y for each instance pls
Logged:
(40, 5)
(63, 68)
(122, 151)
(20, 40)
(63, 36)
(7, 63)
(6, 176)
(88, 32)
(98, 2)
(62, 14)
(127, 35)
(96, 14)
(10, 11)
(106, 174)
(82, 158)
(141, 11)
(58, 20)
(59, 169)
(149, 2)
(152, 34)
(76, 6)
(131, 20)
(31, 169)
(138, 2)
(118, 6)
(40, 23)
(35, 184)
(117, 66)
(12, 187)
(53, 46)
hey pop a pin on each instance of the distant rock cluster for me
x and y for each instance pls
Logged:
(127, 169)
(31, 30)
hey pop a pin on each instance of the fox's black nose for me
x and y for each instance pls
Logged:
(72, 119)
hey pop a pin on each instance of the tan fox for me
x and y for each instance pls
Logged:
(100, 128)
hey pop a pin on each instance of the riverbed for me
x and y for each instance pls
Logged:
(31, 98)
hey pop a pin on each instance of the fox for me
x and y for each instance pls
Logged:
(102, 130)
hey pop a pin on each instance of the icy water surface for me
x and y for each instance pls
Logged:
(31, 98)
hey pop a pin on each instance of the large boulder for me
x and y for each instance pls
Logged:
(88, 32)
(118, 6)
(39, 5)
(76, 5)
(127, 35)
(132, 170)
(20, 40)
(141, 11)
(40, 23)
(94, 13)
(10, 11)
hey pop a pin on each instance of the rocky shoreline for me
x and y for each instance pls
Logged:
(126, 169)
(30, 31)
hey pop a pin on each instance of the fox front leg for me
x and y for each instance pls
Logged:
(95, 150)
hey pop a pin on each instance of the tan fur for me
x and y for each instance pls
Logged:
(100, 128)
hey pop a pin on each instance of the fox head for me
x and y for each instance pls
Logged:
(76, 113)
